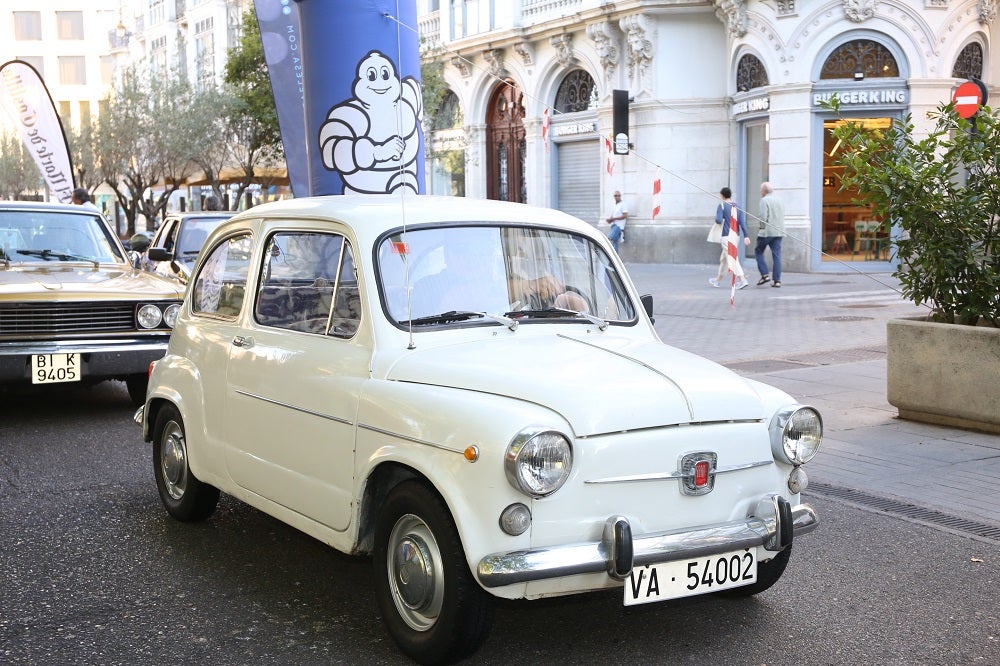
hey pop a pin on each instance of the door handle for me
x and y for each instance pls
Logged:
(243, 341)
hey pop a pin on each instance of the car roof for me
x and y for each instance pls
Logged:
(370, 215)
(53, 206)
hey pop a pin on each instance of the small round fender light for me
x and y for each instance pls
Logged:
(515, 519)
(798, 480)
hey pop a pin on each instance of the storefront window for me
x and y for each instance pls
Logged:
(757, 158)
(850, 231)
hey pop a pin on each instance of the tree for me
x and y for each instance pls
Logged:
(943, 193)
(255, 137)
(18, 173)
(149, 137)
(83, 150)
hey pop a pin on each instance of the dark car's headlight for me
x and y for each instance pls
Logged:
(538, 461)
(149, 316)
(796, 434)
(170, 314)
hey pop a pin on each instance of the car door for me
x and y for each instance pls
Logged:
(296, 375)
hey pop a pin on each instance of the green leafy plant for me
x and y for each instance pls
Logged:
(942, 192)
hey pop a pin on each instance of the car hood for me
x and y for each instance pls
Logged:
(599, 384)
(68, 282)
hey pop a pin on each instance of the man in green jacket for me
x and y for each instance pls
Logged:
(772, 230)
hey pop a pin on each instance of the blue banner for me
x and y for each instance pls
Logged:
(281, 36)
(363, 105)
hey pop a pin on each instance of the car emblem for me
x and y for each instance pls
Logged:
(697, 472)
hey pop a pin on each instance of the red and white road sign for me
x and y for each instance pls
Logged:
(967, 98)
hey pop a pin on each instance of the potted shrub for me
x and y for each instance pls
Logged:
(942, 194)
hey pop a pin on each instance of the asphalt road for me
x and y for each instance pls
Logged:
(92, 571)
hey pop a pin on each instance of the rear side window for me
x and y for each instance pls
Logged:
(220, 286)
(309, 284)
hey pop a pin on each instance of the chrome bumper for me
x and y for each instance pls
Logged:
(772, 525)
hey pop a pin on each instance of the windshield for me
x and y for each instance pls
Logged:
(53, 236)
(525, 273)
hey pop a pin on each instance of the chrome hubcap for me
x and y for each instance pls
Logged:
(173, 461)
(415, 577)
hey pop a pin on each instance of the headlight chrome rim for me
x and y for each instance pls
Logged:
(796, 434)
(171, 313)
(149, 316)
(538, 461)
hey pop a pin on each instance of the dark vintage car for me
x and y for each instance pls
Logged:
(178, 241)
(73, 307)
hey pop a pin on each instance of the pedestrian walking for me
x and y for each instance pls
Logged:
(81, 197)
(723, 217)
(617, 220)
(772, 230)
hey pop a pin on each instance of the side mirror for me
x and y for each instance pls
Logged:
(159, 254)
(647, 305)
(135, 258)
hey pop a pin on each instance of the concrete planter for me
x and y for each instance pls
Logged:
(944, 373)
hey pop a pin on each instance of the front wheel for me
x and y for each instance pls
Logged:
(185, 497)
(428, 598)
(768, 574)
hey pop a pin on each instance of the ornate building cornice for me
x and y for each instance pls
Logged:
(494, 58)
(564, 49)
(605, 40)
(859, 10)
(640, 48)
(526, 51)
(734, 14)
(987, 11)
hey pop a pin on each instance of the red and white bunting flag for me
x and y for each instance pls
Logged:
(656, 194)
(609, 165)
(733, 253)
(546, 120)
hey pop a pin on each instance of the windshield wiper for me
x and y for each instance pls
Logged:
(62, 256)
(460, 315)
(559, 312)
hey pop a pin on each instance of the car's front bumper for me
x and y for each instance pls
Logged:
(772, 525)
(99, 359)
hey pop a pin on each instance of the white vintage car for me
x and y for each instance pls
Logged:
(473, 393)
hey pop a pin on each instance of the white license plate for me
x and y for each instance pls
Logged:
(53, 368)
(672, 580)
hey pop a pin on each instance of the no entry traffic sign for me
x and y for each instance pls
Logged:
(967, 98)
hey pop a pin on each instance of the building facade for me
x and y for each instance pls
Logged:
(722, 93)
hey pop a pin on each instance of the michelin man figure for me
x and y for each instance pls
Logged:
(372, 139)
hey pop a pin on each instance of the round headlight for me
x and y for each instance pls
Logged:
(796, 434)
(170, 314)
(150, 316)
(538, 462)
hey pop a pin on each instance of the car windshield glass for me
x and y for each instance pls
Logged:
(54, 236)
(525, 273)
(192, 235)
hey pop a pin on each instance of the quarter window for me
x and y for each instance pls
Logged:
(309, 284)
(220, 286)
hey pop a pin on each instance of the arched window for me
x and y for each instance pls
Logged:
(969, 64)
(860, 59)
(577, 92)
(449, 113)
(750, 74)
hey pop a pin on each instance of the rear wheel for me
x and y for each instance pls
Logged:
(430, 602)
(768, 574)
(183, 495)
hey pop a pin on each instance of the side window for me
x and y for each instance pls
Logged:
(220, 285)
(309, 284)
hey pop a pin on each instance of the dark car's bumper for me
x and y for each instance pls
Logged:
(99, 359)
